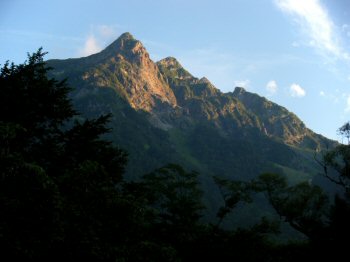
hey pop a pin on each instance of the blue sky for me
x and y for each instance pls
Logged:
(294, 52)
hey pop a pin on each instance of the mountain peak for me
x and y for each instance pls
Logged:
(126, 36)
(174, 68)
(170, 62)
(126, 45)
(239, 91)
(204, 80)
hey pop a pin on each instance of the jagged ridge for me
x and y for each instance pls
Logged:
(202, 98)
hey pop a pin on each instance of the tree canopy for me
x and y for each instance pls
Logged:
(58, 176)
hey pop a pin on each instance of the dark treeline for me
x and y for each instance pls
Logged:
(63, 197)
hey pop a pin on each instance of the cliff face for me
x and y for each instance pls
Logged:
(125, 66)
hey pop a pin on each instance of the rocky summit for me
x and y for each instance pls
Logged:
(126, 67)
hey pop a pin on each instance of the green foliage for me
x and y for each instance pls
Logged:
(175, 195)
(303, 206)
(344, 131)
(30, 206)
(32, 107)
(336, 164)
(232, 193)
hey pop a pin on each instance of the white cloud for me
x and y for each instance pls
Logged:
(242, 83)
(271, 87)
(334, 97)
(100, 36)
(296, 91)
(90, 46)
(315, 21)
(107, 33)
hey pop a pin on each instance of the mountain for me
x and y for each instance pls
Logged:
(162, 113)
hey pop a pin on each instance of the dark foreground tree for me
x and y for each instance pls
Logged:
(58, 178)
(336, 165)
(174, 196)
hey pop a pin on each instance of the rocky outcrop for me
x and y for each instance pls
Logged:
(124, 65)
